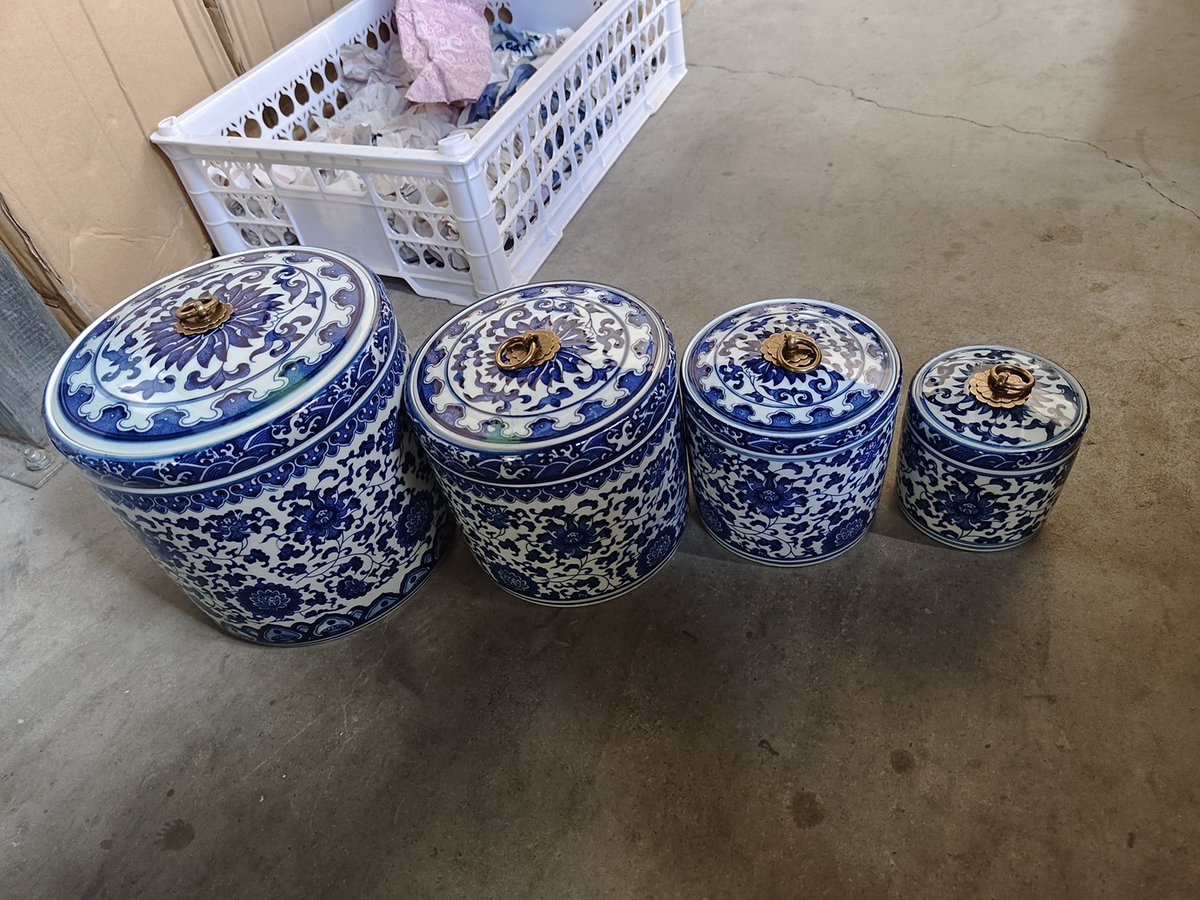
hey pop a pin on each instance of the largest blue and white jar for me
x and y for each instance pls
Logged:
(245, 419)
(790, 410)
(550, 414)
(990, 436)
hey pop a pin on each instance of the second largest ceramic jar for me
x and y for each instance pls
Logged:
(791, 406)
(551, 417)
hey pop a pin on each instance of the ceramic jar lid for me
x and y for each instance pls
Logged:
(792, 368)
(541, 367)
(1000, 400)
(221, 349)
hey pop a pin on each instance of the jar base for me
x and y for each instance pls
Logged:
(594, 601)
(961, 545)
(353, 629)
(786, 563)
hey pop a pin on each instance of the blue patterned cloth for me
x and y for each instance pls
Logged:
(509, 45)
(523, 43)
(497, 94)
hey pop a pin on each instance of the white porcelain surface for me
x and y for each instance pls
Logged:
(980, 477)
(266, 463)
(788, 466)
(567, 477)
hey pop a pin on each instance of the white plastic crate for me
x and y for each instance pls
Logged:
(479, 214)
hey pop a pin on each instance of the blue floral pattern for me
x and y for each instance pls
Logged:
(275, 562)
(569, 535)
(725, 369)
(337, 521)
(210, 359)
(351, 588)
(265, 600)
(415, 517)
(199, 462)
(320, 515)
(787, 511)
(581, 540)
(970, 507)
(237, 525)
(567, 477)
(984, 478)
(1055, 412)
(610, 353)
(788, 467)
(133, 377)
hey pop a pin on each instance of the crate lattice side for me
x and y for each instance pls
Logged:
(408, 216)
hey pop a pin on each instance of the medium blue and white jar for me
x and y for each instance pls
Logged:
(245, 419)
(550, 413)
(990, 435)
(790, 408)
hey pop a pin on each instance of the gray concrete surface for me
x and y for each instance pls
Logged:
(905, 721)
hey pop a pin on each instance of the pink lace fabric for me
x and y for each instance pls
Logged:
(447, 45)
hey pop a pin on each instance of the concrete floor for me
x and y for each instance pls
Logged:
(905, 721)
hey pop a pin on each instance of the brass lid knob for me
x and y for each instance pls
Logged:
(1003, 386)
(792, 350)
(530, 348)
(201, 314)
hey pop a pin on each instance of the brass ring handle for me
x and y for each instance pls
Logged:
(1003, 386)
(792, 350)
(530, 348)
(201, 314)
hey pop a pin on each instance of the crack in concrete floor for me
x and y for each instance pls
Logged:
(854, 94)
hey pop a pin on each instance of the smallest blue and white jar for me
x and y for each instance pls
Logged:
(989, 439)
(790, 408)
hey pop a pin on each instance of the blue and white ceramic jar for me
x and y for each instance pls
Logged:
(790, 408)
(990, 435)
(551, 415)
(245, 419)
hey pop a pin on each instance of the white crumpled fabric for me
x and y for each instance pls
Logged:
(380, 112)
